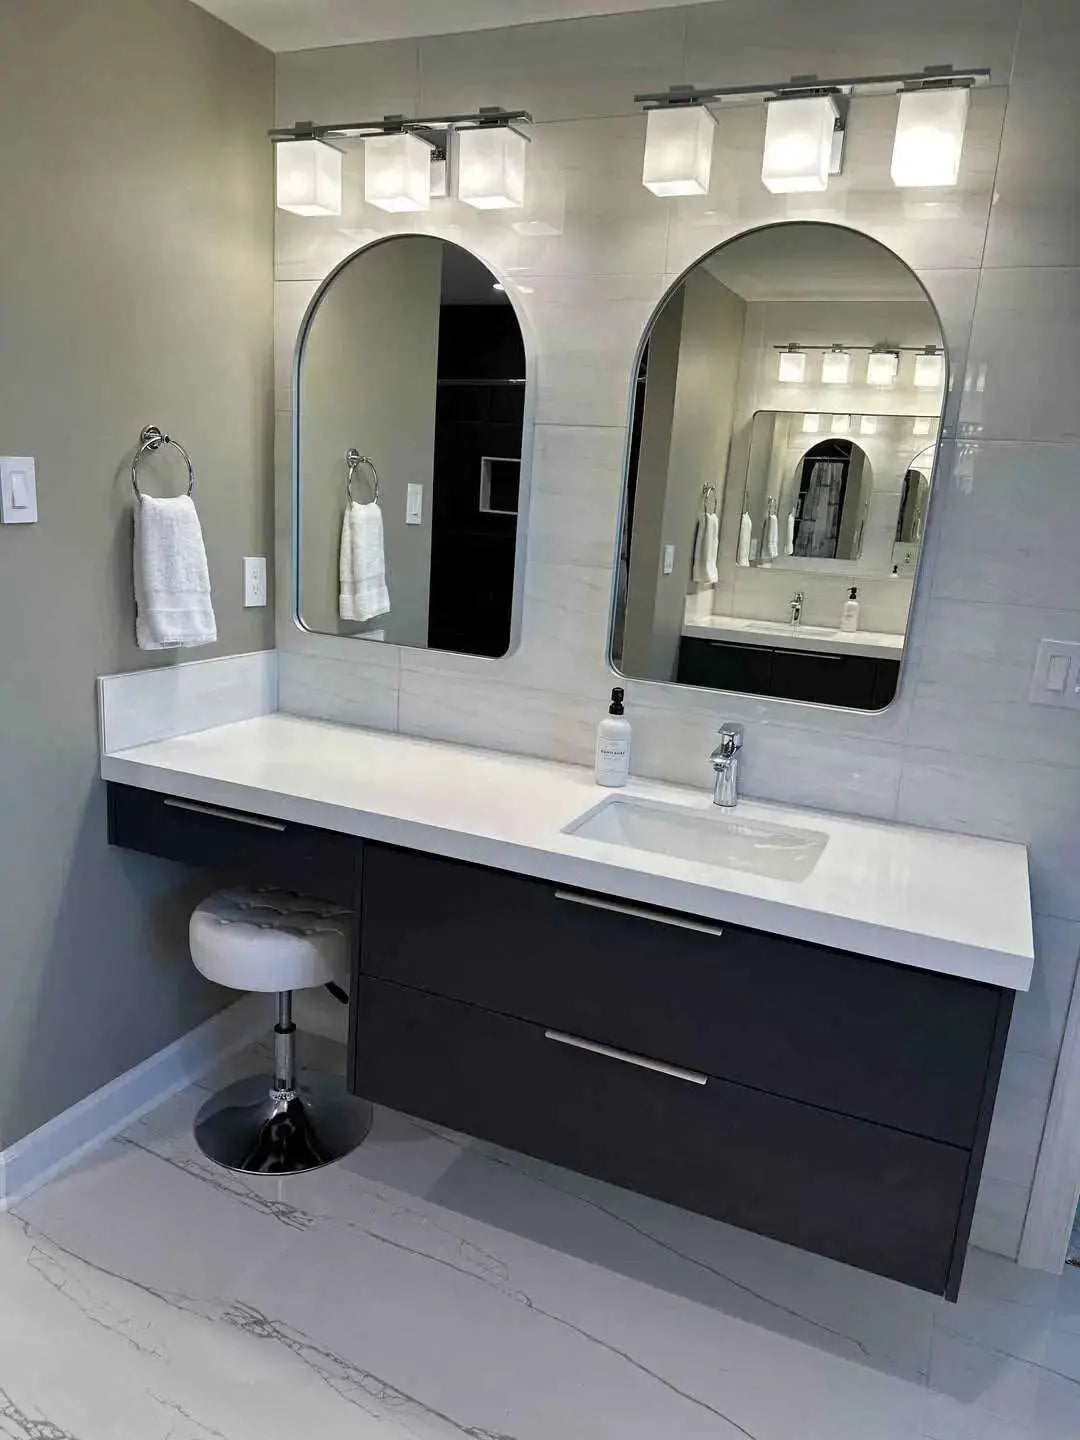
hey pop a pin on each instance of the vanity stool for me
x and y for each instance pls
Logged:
(276, 942)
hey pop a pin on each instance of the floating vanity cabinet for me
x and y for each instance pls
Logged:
(863, 682)
(830, 1100)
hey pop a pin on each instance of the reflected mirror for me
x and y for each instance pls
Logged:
(410, 408)
(784, 433)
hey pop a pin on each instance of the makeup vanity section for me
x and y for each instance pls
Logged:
(813, 1058)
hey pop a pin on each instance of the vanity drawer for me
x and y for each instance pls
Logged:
(866, 1038)
(885, 1201)
(263, 851)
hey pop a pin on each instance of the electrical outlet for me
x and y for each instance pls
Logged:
(254, 581)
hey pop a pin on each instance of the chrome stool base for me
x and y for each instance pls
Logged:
(255, 1128)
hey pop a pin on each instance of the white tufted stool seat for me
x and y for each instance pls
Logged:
(276, 942)
(269, 940)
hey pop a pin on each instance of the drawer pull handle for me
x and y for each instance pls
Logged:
(640, 912)
(220, 813)
(627, 1057)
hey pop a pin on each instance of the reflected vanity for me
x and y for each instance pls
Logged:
(791, 385)
(410, 398)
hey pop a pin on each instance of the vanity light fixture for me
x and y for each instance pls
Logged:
(929, 137)
(836, 366)
(923, 425)
(308, 176)
(678, 150)
(397, 172)
(791, 367)
(840, 423)
(929, 368)
(867, 424)
(811, 424)
(882, 367)
(798, 144)
(406, 162)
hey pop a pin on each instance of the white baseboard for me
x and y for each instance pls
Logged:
(61, 1142)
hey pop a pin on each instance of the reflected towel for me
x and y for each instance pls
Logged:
(746, 537)
(706, 547)
(789, 542)
(173, 609)
(772, 536)
(362, 564)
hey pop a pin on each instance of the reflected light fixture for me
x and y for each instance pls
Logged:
(678, 150)
(929, 368)
(308, 177)
(798, 144)
(923, 425)
(840, 423)
(811, 424)
(929, 137)
(491, 167)
(397, 172)
(882, 367)
(791, 369)
(867, 424)
(836, 366)
(440, 176)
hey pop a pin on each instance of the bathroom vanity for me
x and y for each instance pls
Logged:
(800, 1033)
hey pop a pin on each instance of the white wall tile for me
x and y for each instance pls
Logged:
(352, 693)
(497, 716)
(146, 705)
(576, 484)
(999, 1216)
(1038, 1022)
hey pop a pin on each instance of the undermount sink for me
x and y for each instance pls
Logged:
(779, 852)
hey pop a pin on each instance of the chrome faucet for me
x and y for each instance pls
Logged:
(796, 607)
(725, 764)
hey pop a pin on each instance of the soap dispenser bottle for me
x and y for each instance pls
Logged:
(849, 615)
(613, 744)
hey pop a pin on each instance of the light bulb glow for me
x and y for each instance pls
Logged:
(836, 367)
(867, 424)
(791, 367)
(397, 173)
(929, 370)
(929, 138)
(678, 150)
(882, 367)
(308, 177)
(798, 144)
(811, 424)
(923, 425)
(491, 167)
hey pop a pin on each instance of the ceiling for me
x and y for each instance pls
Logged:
(812, 262)
(310, 24)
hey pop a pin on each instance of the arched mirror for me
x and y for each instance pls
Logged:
(785, 424)
(410, 403)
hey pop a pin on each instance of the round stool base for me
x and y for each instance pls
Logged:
(253, 1128)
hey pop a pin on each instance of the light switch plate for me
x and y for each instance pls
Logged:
(669, 559)
(18, 490)
(414, 505)
(254, 581)
(1056, 680)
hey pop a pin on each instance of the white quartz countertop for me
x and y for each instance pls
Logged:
(876, 643)
(949, 903)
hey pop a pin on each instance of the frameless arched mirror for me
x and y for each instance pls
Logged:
(410, 397)
(785, 424)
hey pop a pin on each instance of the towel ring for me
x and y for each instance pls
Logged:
(708, 492)
(353, 459)
(150, 440)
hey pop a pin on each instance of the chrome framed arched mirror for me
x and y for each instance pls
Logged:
(409, 423)
(798, 373)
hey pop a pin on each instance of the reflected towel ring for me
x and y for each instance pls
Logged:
(353, 459)
(150, 440)
(708, 492)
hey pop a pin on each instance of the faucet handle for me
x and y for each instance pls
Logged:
(731, 738)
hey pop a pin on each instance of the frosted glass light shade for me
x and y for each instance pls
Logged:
(678, 150)
(929, 370)
(798, 144)
(840, 423)
(929, 137)
(308, 177)
(440, 179)
(811, 424)
(836, 367)
(868, 425)
(882, 367)
(922, 426)
(397, 173)
(491, 168)
(791, 367)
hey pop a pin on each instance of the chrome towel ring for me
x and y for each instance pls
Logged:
(353, 459)
(150, 440)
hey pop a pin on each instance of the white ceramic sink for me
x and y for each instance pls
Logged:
(712, 837)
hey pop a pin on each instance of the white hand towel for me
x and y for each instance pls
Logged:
(746, 536)
(706, 546)
(789, 542)
(362, 564)
(173, 609)
(772, 536)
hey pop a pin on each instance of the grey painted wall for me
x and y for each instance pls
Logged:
(368, 379)
(135, 254)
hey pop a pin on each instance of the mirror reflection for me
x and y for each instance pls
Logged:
(410, 407)
(785, 426)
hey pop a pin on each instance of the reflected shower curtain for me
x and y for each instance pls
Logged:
(817, 530)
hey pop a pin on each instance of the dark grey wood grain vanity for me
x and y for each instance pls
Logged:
(831, 1100)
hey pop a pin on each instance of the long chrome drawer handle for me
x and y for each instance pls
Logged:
(627, 1057)
(220, 813)
(640, 912)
